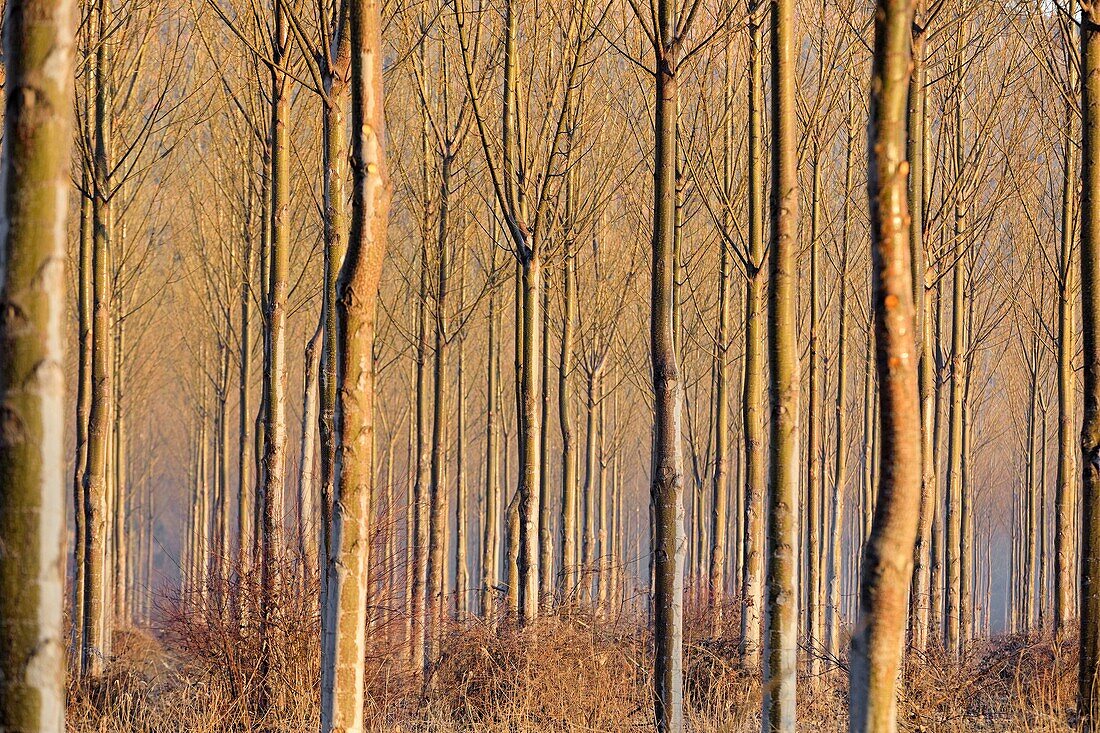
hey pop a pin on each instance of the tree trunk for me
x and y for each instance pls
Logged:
(273, 486)
(781, 632)
(878, 641)
(840, 467)
(919, 602)
(34, 175)
(490, 528)
(753, 409)
(357, 296)
(307, 512)
(96, 631)
(668, 463)
(565, 422)
(1065, 497)
(437, 557)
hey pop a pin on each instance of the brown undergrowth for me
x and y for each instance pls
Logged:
(199, 670)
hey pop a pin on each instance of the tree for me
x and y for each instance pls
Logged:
(39, 47)
(878, 641)
(342, 704)
(781, 611)
(1088, 696)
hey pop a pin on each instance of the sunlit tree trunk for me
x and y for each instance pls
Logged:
(306, 508)
(840, 468)
(84, 379)
(781, 611)
(954, 533)
(753, 409)
(919, 602)
(34, 177)
(273, 486)
(720, 486)
(490, 527)
(814, 415)
(569, 504)
(357, 295)
(96, 629)
(437, 482)
(879, 636)
(1089, 680)
(1066, 494)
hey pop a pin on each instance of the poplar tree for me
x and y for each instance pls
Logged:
(39, 47)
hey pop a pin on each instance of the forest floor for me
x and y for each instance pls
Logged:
(193, 674)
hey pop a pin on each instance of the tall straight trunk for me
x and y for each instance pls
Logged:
(719, 507)
(753, 406)
(936, 627)
(306, 507)
(1065, 495)
(530, 475)
(1031, 519)
(917, 125)
(1042, 491)
(83, 388)
(954, 534)
(870, 422)
(814, 415)
(781, 612)
(222, 549)
(720, 485)
(357, 296)
(879, 638)
(546, 540)
(569, 503)
(840, 467)
(462, 572)
(667, 481)
(259, 432)
(334, 154)
(490, 527)
(419, 540)
(273, 486)
(591, 479)
(96, 633)
(437, 489)
(245, 498)
(118, 525)
(34, 176)
(966, 549)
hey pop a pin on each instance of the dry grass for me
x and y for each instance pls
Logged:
(198, 673)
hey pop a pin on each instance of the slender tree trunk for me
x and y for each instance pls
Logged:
(753, 409)
(919, 601)
(565, 422)
(34, 176)
(878, 641)
(272, 487)
(437, 488)
(95, 474)
(720, 486)
(357, 295)
(814, 636)
(307, 513)
(781, 613)
(84, 389)
(489, 530)
(1066, 495)
(546, 539)
(954, 532)
(1089, 687)
(334, 154)
(667, 478)
(840, 467)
